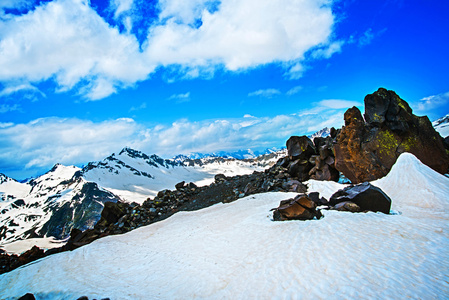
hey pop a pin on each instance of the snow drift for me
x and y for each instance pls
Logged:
(236, 251)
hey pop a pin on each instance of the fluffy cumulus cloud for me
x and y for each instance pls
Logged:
(39, 144)
(239, 34)
(68, 42)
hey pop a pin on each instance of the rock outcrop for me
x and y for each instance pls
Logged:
(366, 148)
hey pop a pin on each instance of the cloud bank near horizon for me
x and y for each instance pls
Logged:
(34, 147)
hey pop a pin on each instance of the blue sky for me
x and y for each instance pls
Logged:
(82, 79)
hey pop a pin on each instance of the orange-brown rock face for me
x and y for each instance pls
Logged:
(366, 149)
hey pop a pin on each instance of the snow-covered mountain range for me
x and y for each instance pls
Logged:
(135, 176)
(67, 196)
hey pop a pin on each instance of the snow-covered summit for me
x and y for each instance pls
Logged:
(54, 177)
(67, 196)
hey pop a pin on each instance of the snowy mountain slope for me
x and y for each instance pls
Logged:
(235, 251)
(442, 126)
(135, 176)
(66, 197)
(49, 205)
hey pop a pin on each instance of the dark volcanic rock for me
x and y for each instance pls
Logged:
(366, 196)
(11, 262)
(300, 169)
(365, 151)
(27, 296)
(300, 147)
(347, 206)
(299, 208)
(113, 211)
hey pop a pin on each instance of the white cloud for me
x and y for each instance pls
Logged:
(433, 102)
(328, 50)
(368, 36)
(68, 42)
(34, 147)
(120, 6)
(43, 142)
(4, 108)
(4, 125)
(294, 90)
(15, 4)
(140, 107)
(30, 91)
(266, 93)
(241, 34)
(180, 98)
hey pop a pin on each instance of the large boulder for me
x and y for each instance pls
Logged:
(299, 208)
(366, 196)
(366, 149)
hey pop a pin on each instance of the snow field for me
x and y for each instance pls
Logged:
(235, 251)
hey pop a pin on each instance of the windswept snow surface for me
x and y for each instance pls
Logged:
(235, 251)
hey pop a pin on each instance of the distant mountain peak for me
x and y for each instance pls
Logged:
(442, 126)
(4, 178)
(441, 120)
(321, 133)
